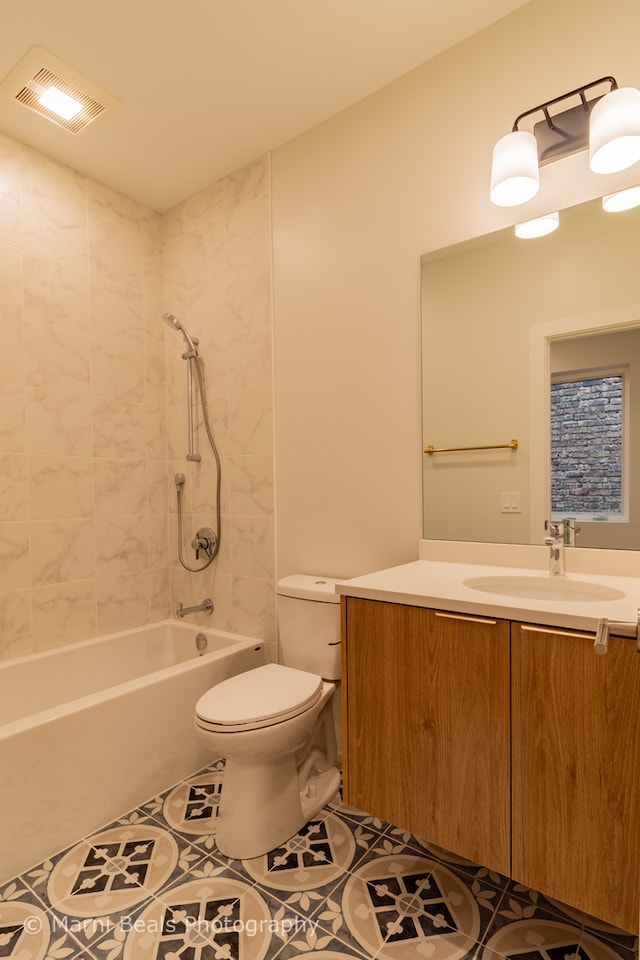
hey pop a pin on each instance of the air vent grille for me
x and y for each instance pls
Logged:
(45, 79)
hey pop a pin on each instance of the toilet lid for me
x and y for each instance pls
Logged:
(259, 697)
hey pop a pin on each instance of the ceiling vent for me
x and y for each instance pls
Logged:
(39, 72)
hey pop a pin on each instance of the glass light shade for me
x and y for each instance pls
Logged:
(515, 177)
(623, 200)
(539, 227)
(614, 131)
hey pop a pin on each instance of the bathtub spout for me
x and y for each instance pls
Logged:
(205, 607)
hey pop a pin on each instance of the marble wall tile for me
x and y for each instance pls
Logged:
(158, 541)
(55, 293)
(60, 488)
(156, 433)
(120, 488)
(253, 608)
(249, 296)
(53, 213)
(14, 500)
(250, 361)
(253, 547)
(62, 550)
(9, 206)
(248, 233)
(9, 156)
(10, 283)
(251, 479)
(160, 594)
(158, 487)
(250, 423)
(58, 423)
(122, 601)
(119, 429)
(117, 371)
(15, 624)
(206, 252)
(56, 358)
(116, 312)
(63, 613)
(109, 204)
(247, 182)
(121, 545)
(12, 418)
(14, 556)
(115, 252)
(11, 350)
(155, 377)
(205, 206)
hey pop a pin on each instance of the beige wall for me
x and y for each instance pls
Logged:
(91, 426)
(356, 201)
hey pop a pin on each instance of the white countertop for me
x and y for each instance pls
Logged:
(440, 585)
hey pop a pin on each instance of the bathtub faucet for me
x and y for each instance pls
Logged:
(205, 607)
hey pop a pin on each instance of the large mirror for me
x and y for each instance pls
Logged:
(516, 333)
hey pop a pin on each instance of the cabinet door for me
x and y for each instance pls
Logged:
(427, 725)
(576, 771)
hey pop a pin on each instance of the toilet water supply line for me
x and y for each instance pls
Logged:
(206, 540)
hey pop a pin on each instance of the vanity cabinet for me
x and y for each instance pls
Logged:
(576, 770)
(512, 745)
(427, 724)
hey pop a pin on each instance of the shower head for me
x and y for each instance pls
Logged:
(172, 321)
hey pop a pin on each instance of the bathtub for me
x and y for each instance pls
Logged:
(94, 729)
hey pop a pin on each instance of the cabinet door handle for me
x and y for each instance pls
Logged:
(460, 616)
(528, 628)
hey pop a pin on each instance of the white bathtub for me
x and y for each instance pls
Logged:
(95, 728)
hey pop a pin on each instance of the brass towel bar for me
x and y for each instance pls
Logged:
(513, 445)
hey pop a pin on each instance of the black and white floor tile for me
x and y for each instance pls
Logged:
(153, 886)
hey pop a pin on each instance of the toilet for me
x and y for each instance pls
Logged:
(274, 725)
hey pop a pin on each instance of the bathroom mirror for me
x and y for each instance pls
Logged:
(502, 318)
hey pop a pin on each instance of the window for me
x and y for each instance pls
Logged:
(587, 445)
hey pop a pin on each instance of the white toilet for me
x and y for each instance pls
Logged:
(274, 725)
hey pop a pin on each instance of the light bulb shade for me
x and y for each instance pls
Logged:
(515, 177)
(539, 227)
(614, 131)
(622, 200)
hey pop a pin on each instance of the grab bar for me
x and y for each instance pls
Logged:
(512, 445)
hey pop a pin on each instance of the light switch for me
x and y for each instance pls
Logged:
(511, 502)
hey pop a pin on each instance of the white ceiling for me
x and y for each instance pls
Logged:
(207, 85)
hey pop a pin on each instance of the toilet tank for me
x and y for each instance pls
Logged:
(309, 624)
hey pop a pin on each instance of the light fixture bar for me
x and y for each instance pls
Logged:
(579, 91)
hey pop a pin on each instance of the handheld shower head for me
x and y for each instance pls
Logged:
(172, 321)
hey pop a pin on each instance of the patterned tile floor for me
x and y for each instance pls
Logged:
(152, 886)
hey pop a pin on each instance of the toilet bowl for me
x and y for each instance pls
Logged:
(274, 725)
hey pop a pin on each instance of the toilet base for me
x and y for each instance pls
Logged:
(263, 806)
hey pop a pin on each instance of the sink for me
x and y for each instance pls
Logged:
(544, 588)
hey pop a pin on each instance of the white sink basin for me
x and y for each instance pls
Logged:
(544, 588)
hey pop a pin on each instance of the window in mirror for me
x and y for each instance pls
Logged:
(587, 445)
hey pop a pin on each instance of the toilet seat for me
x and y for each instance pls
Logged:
(258, 698)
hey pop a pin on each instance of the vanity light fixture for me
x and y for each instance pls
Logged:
(539, 227)
(608, 124)
(622, 200)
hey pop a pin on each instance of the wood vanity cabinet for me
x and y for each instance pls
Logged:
(427, 724)
(510, 744)
(576, 771)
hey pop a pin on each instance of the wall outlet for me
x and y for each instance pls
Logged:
(510, 503)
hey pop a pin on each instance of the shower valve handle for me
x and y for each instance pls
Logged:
(205, 540)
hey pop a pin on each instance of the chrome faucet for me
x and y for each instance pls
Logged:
(555, 542)
(205, 607)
